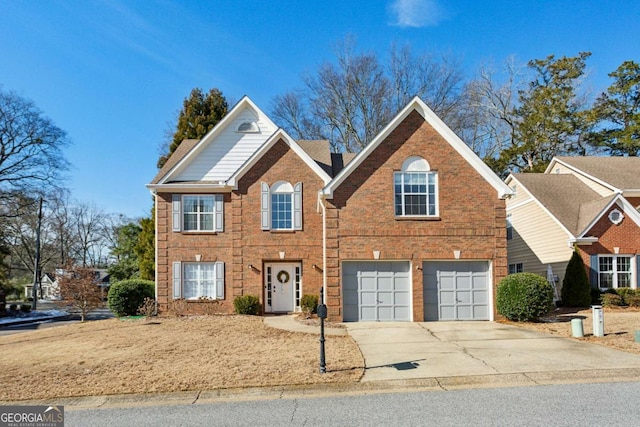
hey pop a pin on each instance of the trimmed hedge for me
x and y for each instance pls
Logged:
(247, 304)
(127, 296)
(524, 297)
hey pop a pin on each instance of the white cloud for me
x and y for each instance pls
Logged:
(416, 13)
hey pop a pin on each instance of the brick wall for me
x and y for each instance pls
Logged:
(361, 215)
(243, 243)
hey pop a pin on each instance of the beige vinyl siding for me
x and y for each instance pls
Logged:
(538, 239)
(230, 150)
(598, 188)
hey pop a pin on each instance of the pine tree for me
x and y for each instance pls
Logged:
(576, 290)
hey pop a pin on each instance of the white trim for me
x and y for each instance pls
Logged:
(580, 172)
(279, 134)
(214, 133)
(188, 188)
(620, 201)
(519, 204)
(543, 207)
(418, 105)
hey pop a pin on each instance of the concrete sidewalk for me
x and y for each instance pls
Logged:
(288, 322)
(409, 350)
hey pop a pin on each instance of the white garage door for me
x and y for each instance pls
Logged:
(456, 290)
(376, 291)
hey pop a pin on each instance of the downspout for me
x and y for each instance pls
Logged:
(155, 249)
(324, 248)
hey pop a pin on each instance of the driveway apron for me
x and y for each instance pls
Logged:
(409, 350)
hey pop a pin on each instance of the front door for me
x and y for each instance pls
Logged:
(282, 287)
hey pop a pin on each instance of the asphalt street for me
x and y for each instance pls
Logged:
(610, 404)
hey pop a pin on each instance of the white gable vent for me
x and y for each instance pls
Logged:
(248, 127)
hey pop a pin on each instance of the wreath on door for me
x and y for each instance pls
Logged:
(283, 276)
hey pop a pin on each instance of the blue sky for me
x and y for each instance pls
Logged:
(114, 73)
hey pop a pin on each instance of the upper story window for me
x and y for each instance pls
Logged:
(416, 189)
(281, 206)
(509, 227)
(197, 212)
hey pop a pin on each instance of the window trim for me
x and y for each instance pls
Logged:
(518, 267)
(266, 210)
(179, 269)
(178, 213)
(614, 270)
(416, 165)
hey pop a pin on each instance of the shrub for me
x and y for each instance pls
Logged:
(25, 308)
(147, 308)
(611, 300)
(309, 304)
(576, 289)
(126, 297)
(178, 307)
(633, 300)
(625, 294)
(247, 304)
(524, 297)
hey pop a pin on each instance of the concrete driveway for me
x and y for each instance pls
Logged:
(409, 350)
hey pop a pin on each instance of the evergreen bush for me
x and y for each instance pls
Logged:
(524, 297)
(247, 304)
(576, 289)
(126, 297)
(309, 304)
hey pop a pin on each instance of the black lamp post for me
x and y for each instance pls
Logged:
(322, 314)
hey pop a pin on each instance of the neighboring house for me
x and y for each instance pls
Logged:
(49, 288)
(588, 203)
(411, 228)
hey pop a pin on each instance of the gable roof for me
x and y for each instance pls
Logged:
(280, 134)
(449, 136)
(185, 146)
(186, 155)
(561, 194)
(570, 201)
(621, 173)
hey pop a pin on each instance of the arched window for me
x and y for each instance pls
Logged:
(416, 189)
(248, 127)
(281, 206)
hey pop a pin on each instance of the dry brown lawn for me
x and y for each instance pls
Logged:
(620, 325)
(165, 355)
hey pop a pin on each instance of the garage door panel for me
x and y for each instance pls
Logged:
(376, 291)
(402, 298)
(447, 297)
(456, 290)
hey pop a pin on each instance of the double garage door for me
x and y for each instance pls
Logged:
(381, 290)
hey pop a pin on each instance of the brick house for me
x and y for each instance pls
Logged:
(410, 229)
(589, 204)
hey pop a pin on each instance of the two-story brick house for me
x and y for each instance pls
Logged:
(411, 228)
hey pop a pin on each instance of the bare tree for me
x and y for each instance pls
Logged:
(491, 114)
(79, 289)
(30, 148)
(348, 102)
(89, 247)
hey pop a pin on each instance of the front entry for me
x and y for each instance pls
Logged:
(283, 287)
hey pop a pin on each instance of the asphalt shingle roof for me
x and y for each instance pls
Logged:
(568, 199)
(621, 172)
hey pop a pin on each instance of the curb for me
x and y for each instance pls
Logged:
(34, 320)
(345, 389)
